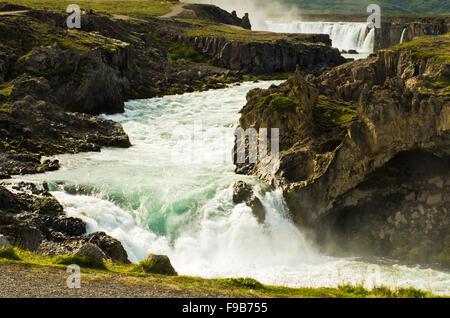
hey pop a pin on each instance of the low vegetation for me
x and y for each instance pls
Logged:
(131, 8)
(227, 287)
(360, 6)
(329, 113)
(428, 47)
(8, 253)
(181, 53)
(82, 261)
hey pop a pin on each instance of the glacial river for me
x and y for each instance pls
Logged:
(171, 193)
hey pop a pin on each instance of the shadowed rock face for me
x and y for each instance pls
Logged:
(392, 29)
(33, 128)
(352, 140)
(158, 264)
(32, 219)
(281, 55)
(218, 15)
(243, 193)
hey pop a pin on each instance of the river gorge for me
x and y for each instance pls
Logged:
(119, 150)
(155, 199)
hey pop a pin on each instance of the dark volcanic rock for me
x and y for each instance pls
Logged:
(110, 246)
(32, 128)
(263, 57)
(365, 152)
(243, 193)
(32, 219)
(412, 27)
(218, 15)
(158, 264)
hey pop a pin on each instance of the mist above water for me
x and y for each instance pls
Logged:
(259, 11)
(154, 202)
(265, 16)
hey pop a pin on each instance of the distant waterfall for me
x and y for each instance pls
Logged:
(344, 35)
(402, 38)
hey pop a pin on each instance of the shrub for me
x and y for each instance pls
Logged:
(410, 292)
(181, 53)
(359, 290)
(9, 253)
(83, 261)
(283, 103)
(157, 264)
(242, 282)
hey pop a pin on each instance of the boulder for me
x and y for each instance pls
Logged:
(243, 193)
(92, 252)
(4, 242)
(361, 146)
(7, 200)
(158, 264)
(112, 248)
(22, 236)
(246, 22)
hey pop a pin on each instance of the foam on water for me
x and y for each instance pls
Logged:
(154, 200)
(343, 35)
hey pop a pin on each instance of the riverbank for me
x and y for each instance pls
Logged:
(36, 276)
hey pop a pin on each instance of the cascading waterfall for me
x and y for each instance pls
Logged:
(344, 35)
(402, 38)
(154, 200)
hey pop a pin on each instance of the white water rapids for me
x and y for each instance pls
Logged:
(155, 200)
(344, 35)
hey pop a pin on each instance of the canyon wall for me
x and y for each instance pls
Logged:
(365, 147)
(310, 52)
(392, 30)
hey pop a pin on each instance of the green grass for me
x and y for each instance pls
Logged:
(424, 48)
(330, 113)
(8, 253)
(208, 28)
(359, 6)
(152, 266)
(227, 287)
(284, 103)
(131, 8)
(241, 282)
(181, 53)
(6, 90)
(82, 261)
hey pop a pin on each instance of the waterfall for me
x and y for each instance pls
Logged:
(344, 35)
(154, 200)
(402, 38)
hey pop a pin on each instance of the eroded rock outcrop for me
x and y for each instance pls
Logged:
(392, 29)
(32, 128)
(158, 264)
(243, 193)
(32, 219)
(312, 53)
(352, 144)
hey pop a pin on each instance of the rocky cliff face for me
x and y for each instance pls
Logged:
(32, 219)
(392, 29)
(365, 151)
(311, 53)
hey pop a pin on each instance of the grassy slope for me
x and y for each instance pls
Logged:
(132, 8)
(223, 287)
(359, 6)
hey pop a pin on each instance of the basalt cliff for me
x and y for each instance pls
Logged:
(54, 81)
(365, 152)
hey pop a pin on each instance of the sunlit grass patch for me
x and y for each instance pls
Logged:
(132, 8)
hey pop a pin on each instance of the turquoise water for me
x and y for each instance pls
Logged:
(171, 193)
